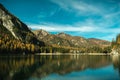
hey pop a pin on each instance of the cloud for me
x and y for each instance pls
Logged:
(73, 28)
(111, 15)
(49, 13)
(93, 9)
(78, 6)
(60, 28)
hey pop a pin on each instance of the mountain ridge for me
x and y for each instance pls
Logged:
(63, 39)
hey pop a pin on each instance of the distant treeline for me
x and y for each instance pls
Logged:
(11, 45)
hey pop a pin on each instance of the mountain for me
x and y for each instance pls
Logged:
(66, 40)
(100, 42)
(50, 39)
(12, 26)
(15, 36)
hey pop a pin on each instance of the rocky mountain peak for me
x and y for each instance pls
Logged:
(62, 34)
(41, 32)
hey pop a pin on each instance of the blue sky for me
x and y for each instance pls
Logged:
(87, 18)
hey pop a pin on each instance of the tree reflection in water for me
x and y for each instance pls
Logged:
(25, 67)
(116, 62)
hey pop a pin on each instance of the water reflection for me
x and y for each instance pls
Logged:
(34, 66)
(116, 62)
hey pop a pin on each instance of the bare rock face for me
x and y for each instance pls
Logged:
(6, 20)
(17, 28)
(11, 22)
(62, 34)
(41, 33)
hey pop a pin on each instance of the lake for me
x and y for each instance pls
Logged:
(58, 67)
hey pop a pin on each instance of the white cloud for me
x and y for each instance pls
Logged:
(51, 12)
(83, 8)
(73, 28)
(60, 28)
(78, 6)
(112, 15)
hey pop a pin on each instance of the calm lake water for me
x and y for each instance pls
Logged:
(37, 67)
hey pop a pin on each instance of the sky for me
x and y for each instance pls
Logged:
(87, 18)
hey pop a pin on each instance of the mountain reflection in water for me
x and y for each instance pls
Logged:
(34, 67)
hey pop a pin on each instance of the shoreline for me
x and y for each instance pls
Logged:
(73, 54)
